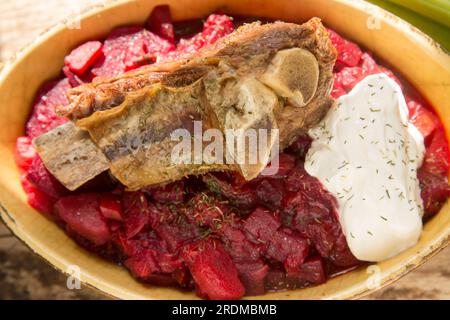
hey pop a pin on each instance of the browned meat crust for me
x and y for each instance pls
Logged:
(240, 48)
(146, 105)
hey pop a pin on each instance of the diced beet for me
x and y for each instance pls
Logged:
(285, 164)
(253, 275)
(37, 199)
(294, 204)
(82, 213)
(425, 121)
(127, 247)
(82, 57)
(76, 80)
(177, 235)
(137, 55)
(161, 214)
(312, 271)
(44, 180)
(167, 262)
(351, 76)
(262, 224)
(213, 270)
(434, 191)
(170, 193)
(300, 180)
(111, 207)
(323, 234)
(142, 265)
(391, 75)
(160, 23)
(185, 48)
(341, 255)
(241, 196)
(337, 91)
(215, 27)
(437, 155)
(43, 117)
(288, 247)
(303, 208)
(135, 222)
(270, 193)
(183, 277)
(135, 209)
(206, 210)
(311, 188)
(237, 244)
(369, 65)
(24, 152)
(275, 280)
(300, 146)
(154, 47)
(349, 54)
(110, 65)
(127, 48)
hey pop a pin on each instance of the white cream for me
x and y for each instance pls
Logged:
(367, 154)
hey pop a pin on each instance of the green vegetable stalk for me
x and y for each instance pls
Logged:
(430, 16)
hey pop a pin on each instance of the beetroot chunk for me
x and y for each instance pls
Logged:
(437, 155)
(142, 265)
(44, 180)
(160, 23)
(288, 247)
(241, 196)
(170, 193)
(213, 270)
(127, 48)
(43, 117)
(135, 207)
(425, 121)
(252, 275)
(111, 207)
(206, 210)
(262, 224)
(77, 80)
(82, 214)
(82, 57)
(37, 199)
(312, 272)
(238, 245)
(270, 192)
(434, 191)
(349, 54)
(24, 153)
(177, 235)
(216, 26)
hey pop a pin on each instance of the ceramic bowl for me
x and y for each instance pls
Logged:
(410, 52)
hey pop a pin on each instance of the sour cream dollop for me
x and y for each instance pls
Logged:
(367, 154)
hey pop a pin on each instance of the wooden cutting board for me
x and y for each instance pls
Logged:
(23, 275)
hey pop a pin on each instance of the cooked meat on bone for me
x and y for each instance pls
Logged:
(272, 76)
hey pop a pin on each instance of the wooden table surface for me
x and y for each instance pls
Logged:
(25, 276)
